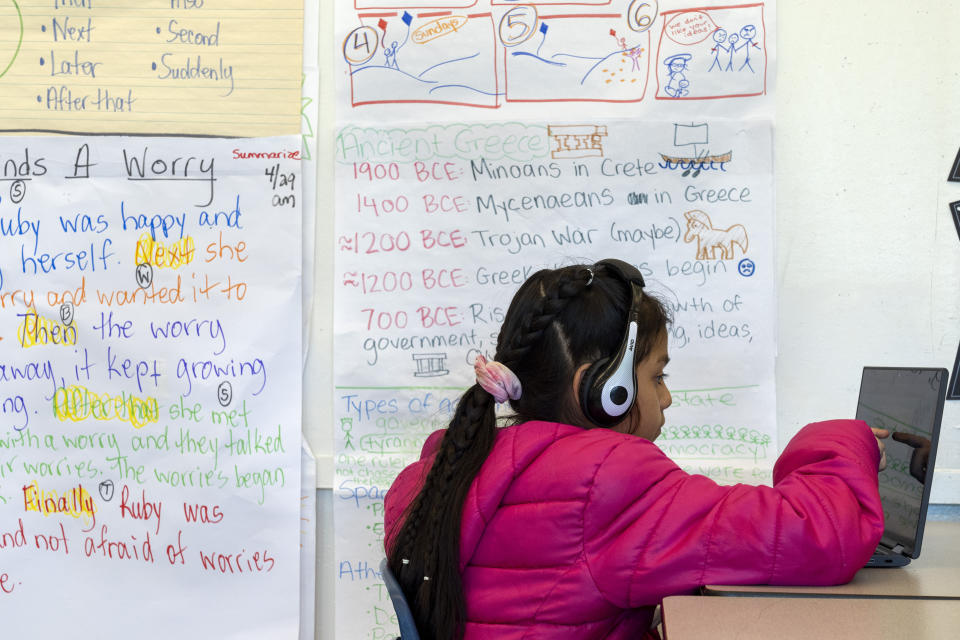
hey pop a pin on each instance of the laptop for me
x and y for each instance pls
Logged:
(908, 402)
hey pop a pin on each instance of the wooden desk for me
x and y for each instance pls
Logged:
(934, 575)
(699, 618)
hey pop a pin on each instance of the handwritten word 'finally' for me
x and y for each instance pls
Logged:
(76, 403)
(76, 503)
(37, 330)
(158, 254)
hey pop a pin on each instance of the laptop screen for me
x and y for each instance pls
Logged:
(908, 402)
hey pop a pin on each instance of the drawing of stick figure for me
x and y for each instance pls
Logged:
(747, 34)
(346, 425)
(390, 53)
(732, 40)
(633, 53)
(677, 83)
(719, 37)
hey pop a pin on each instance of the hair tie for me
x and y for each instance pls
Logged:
(497, 380)
(590, 279)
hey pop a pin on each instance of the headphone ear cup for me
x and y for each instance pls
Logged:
(609, 386)
(591, 394)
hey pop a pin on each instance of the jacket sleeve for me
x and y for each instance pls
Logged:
(405, 487)
(652, 530)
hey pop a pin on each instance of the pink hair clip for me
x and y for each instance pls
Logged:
(497, 380)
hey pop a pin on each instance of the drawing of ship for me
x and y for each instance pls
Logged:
(686, 135)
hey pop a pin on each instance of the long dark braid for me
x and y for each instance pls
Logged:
(429, 540)
(543, 338)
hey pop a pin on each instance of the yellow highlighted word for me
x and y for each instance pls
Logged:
(159, 254)
(37, 330)
(76, 503)
(77, 403)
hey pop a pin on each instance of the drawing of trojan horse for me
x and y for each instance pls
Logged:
(709, 238)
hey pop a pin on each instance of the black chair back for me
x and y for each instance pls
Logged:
(408, 628)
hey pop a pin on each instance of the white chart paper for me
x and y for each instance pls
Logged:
(150, 378)
(496, 59)
(438, 225)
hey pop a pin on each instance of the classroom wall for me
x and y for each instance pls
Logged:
(868, 257)
(318, 371)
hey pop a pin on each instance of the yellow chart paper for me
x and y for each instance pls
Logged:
(192, 67)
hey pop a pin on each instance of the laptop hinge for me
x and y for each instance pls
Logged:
(897, 549)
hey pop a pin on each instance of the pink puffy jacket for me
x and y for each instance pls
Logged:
(575, 533)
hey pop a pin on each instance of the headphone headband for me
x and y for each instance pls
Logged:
(627, 272)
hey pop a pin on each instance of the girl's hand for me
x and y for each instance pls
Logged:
(879, 434)
(920, 456)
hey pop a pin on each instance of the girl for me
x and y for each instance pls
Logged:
(570, 522)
